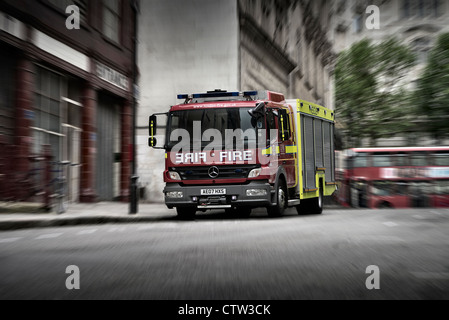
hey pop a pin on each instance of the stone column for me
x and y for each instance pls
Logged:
(126, 132)
(88, 143)
(24, 113)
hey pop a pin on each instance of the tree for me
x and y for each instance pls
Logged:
(432, 94)
(371, 99)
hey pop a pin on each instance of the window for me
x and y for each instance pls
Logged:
(442, 187)
(63, 4)
(382, 160)
(271, 125)
(358, 23)
(402, 188)
(421, 48)
(284, 125)
(7, 89)
(47, 105)
(420, 8)
(111, 19)
(441, 159)
(418, 159)
(361, 160)
(400, 160)
(230, 126)
(383, 188)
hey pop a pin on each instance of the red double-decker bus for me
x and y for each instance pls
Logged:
(393, 177)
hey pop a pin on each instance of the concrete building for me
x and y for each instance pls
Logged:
(199, 45)
(66, 81)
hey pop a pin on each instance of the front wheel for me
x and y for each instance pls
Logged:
(281, 202)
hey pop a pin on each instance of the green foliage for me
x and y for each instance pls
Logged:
(371, 101)
(432, 94)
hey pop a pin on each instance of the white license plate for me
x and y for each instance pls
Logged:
(212, 192)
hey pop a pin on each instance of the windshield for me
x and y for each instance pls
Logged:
(223, 127)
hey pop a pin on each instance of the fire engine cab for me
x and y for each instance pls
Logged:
(242, 150)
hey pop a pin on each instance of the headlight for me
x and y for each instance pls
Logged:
(174, 175)
(256, 192)
(255, 173)
(174, 194)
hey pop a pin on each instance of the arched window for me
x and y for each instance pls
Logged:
(421, 47)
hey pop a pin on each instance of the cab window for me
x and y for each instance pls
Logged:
(284, 125)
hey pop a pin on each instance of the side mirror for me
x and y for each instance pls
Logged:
(152, 142)
(258, 111)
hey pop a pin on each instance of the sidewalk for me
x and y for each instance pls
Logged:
(19, 216)
(22, 215)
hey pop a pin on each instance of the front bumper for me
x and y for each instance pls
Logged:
(236, 196)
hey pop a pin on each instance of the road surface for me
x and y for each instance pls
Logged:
(328, 256)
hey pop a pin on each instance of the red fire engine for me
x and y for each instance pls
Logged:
(242, 150)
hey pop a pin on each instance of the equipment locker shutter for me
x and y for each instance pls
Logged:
(328, 156)
(309, 153)
(318, 143)
(332, 152)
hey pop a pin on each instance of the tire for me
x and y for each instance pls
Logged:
(303, 208)
(385, 205)
(186, 213)
(281, 201)
(317, 203)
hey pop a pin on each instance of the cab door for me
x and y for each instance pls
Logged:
(287, 145)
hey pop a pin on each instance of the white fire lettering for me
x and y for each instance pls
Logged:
(236, 156)
(201, 157)
(190, 157)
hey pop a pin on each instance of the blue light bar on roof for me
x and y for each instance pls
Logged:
(215, 95)
(250, 93)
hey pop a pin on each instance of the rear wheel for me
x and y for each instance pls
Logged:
(281, 201)
(317, 203)
(186, 213)
(311, 206)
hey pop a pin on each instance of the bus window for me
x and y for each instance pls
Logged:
(442, 187)
(418, 159)
(402, 188)
(400, 160)
(419, 192)
(382, 160)
(441, 159)
(382, 188)
(361, 160)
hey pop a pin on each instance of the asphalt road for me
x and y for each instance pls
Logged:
(214, 257)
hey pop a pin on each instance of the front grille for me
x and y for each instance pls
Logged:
(225, 172)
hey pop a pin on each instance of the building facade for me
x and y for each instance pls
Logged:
(67, 70)
(415, 23)
(200, 45)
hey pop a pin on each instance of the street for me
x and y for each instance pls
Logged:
(216, 257)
